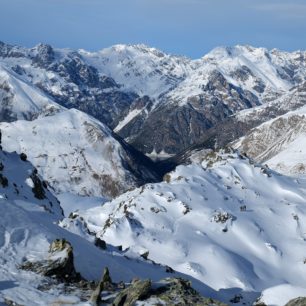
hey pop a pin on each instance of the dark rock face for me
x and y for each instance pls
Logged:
(38, 188)
(74, 70)
(7, 50)
(98, 95)
(44, 57)
(242, 74)
(142, 167)
(3, 181)
(230, 129)
(174, 128)
(85, 89)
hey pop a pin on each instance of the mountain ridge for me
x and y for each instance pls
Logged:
(142, 92)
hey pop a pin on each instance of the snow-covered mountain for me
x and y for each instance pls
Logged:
(76, 153)
(214, 87)
(280, 143)
(64, 76)
(83, 118)
(228, 131)
(218, 220)
(20, 99)
(139, 68)
(159, 103)
(73, 151)
(29, 224)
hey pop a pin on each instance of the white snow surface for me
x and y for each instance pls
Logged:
(131, 115)
(233, 225)
(72, 151)
(139, 68)
(28, 101)
(28, 226)
(72, 202)
(280, 295)
(262, 66)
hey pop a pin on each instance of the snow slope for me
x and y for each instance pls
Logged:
(279, 142)
(280, 295)
(225, 221)
(20, 99)
(27, 227)
(151, 72)
(74, 153)
(139, 68)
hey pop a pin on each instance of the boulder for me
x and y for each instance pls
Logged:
(138, 290)
(59, 263)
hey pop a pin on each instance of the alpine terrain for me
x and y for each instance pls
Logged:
(129, 176)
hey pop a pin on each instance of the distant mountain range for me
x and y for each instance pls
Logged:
(159, 103)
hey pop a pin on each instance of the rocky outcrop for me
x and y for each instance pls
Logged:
(138, 290)
(59, 268)
(104, 284)
(173, 128)
(169, 291)
(44, 57)
(59, 263)
(300, 301)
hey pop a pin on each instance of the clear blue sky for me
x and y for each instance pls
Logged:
(187, 27)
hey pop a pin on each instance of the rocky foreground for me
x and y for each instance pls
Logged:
(60, 270)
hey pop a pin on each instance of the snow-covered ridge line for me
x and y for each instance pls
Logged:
(212, 220)
(174, 93)
(75, 153)
(29, 223)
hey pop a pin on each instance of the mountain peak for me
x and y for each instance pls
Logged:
(236, 51)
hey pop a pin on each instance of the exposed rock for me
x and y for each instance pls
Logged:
(176, 291)
(45, 55)
(38, 188)
(137, 291)
(300, 301)
(98, 242)
(9, 302)
(23, 156)
(105, 283)
(3, 181)
(169, 291)
(173, 128)
(59, 263)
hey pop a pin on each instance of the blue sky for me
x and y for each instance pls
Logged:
(186, 27)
